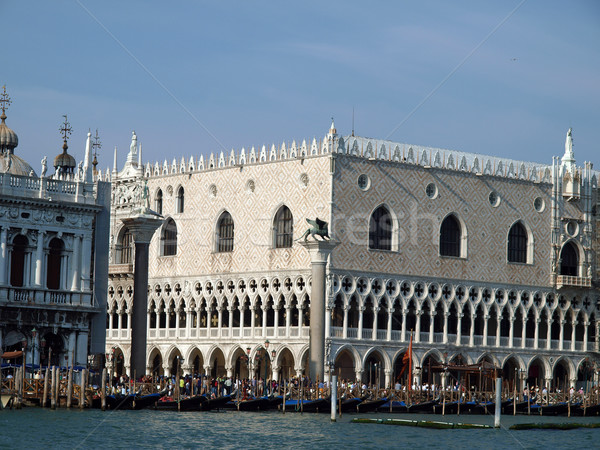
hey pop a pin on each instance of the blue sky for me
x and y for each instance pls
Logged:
(222, 75)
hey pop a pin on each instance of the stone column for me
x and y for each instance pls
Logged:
(39, 259)
(472, 330)
(445, 330)
(389, 324)
(3, 254)
(573, 325)
(536, 333)
(86, 255)
(345, 324)
(76, 263)
(319, 253)
(375, 322)
(459, 317)
(403, 329)
(511, 331)
(142, 227)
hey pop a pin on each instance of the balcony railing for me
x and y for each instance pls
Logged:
(566, 280)
(38, 296)
(114, 269)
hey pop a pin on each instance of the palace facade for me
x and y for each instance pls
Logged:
(478, 258)
(53, 279)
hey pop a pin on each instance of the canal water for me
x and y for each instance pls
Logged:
(37, 428)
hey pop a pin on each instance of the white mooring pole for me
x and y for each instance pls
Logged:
(498, 402)
(334, 390)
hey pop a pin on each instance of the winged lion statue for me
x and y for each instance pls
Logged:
(318, 227)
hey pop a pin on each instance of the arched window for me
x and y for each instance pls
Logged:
(380, 229)
(125, 249)
(169, 238)
(17, 260)
(53, 272)
(569, 257)
(158, 202)
(517, 243)
(450, 236)
(284, 228)
(225, 233)
(180, 200)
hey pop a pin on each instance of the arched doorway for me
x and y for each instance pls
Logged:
(286, 364)
(240, 363)
(536, 374)
(585, 375)
(344, 365)
(217, 363)
(52, 350)
(374, 370)
(156, 366)
(511, 375)
(401, 372)
(175, 363)
(560, 376)
(196, 362)
(429, 375)
(119, 362)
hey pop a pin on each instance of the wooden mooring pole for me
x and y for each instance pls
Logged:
(82, 389)
(46, 383)
(103, 390)
(53, 389)
(70, 387)
(498, 402)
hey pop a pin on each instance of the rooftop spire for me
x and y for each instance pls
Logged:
(5, 101)
(66, 130)
(96, 144)
(332, 130)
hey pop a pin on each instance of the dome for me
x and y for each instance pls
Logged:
(16, 165)
(64, 160)
(8, 138)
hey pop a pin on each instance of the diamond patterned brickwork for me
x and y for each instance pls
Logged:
(252, 195)
(401, 187)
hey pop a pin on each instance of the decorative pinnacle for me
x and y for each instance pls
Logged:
(96, 144)
(5, 101)
(65, 129)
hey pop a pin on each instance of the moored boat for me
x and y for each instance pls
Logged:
(370, 405)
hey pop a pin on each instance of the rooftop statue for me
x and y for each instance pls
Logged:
(318, 227)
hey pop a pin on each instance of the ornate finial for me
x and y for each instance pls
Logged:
(5, 101)
(96, 144)
(66, 130)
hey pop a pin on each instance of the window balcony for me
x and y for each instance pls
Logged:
(570, 281)
(117, 269)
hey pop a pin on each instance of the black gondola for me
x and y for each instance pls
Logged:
(215, 403)
(370, 405)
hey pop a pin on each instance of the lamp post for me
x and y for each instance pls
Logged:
(248, 350)
(42, 347)
(33, 338)
(266, 358)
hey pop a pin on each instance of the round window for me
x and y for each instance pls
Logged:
(572, 228)
(494, 199)
(431, 190)
(364, 182)
(539, 204)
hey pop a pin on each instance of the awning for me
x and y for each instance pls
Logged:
(12, 355)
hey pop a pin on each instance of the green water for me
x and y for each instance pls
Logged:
(40, 428)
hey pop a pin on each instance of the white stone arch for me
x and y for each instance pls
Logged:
(491, 356)
(530, 240)
(358, 366)
(152, 351)
(570, 365)
(384, 356)
(544, 362)
(299, 357)
(210, 353)
(463, 233)
(278, 352)
(229, 357)
(514, 357)
(420, 362)
(395, 234)
(461, 351)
